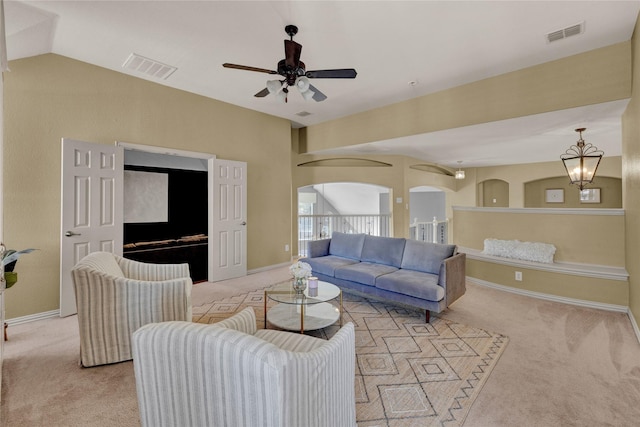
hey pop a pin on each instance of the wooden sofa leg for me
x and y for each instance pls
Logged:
(427, 316)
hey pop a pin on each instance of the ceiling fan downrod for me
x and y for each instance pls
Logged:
(291, 30)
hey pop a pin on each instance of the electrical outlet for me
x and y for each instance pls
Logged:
(286, 248)
(519, 276)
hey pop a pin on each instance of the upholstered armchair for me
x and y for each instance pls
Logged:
(231, 374)
(115, 296)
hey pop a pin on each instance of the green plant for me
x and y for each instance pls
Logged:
(9, 260)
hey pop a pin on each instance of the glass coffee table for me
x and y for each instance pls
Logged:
(302, 312)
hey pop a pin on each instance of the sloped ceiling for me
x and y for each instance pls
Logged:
(401, 50)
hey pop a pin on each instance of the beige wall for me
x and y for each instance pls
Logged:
(603, 244)
(518, 175)
(598, 290)
(610, 193)
(592, 77)
(49, 97)
(494, 193)
(631, 180)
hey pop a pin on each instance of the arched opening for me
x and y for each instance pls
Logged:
(427, 214)
(345, 207)
(557, 192)
(493, 193)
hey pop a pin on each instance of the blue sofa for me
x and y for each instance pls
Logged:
(424, 275)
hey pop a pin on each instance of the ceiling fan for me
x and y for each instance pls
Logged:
(294, 73)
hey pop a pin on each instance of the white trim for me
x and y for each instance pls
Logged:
(267, 268)
(33, 317)
(634, 324)
(564, 300)
(164, 150)
(549, 297)
(545, 211)
(572, 268)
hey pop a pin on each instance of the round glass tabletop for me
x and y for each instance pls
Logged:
(284, 293)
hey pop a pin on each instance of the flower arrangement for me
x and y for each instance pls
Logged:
(300, 270)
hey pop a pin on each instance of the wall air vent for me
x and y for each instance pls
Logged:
(303, 114)
(573, 30)
(148, 66)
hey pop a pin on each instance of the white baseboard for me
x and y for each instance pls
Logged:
(549, 297)
(267, 268)
(56, 313)
(33, 317)
(634, 324)
(565, 300)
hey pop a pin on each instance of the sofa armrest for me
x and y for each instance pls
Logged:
(453, 277)
(316, 248)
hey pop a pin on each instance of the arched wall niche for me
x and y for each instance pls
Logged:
(557, 192)
(493, 193)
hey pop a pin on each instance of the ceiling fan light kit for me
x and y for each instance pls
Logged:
(294, 72)
(274, 86)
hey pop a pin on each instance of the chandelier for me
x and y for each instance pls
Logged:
(581, 161)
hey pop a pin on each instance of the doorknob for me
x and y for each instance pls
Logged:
(71, 233)
(243, 223)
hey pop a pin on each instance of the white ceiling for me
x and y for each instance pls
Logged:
(438, 44)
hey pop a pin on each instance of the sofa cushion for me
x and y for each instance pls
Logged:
(414, 283)
(383, 250)
(346, 245)
(425, 256)
(327, 264)
(364, 273)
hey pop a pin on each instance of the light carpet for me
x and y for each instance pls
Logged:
(408, 373)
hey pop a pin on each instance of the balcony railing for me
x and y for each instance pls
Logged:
(433, 231)
(315, 227)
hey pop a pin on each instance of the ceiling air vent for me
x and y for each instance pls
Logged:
(303, 114)
(148, 66)
(573, 30)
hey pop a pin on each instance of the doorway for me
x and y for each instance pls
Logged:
(226, 186)
(346, 207)
(226, 212)
(166, 210)
(427, 214)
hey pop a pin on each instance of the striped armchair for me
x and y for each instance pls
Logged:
(115, 296)
(231, 374)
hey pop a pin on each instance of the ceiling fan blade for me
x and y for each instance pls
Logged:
(264, 92)
(317, 95)
(292, 52)
(343, 73)
(244, 67)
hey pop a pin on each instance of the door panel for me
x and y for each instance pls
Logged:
(229, 222)
(91, 218)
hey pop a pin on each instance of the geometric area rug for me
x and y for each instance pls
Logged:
(408, 372)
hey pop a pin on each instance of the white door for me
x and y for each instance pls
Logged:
(91, 217)
(229, 236)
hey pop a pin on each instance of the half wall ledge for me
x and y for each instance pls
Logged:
(572, 268)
